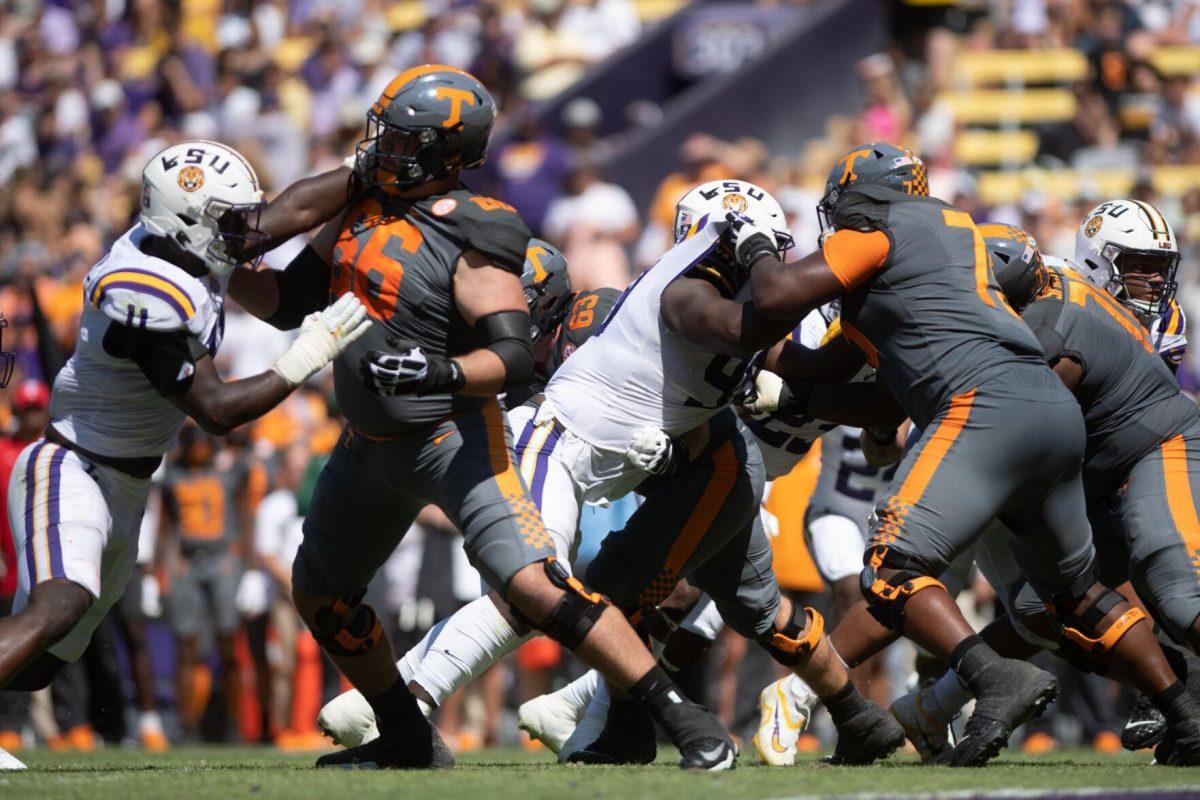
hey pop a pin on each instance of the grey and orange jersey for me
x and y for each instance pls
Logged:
(205, 504)
(1130, 400)
(399, 258)
(921, 300)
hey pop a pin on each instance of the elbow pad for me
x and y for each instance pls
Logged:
(303, 288)
(506, 333)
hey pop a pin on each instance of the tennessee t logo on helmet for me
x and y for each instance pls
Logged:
(878, 163)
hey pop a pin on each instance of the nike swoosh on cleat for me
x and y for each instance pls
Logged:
(712, 755)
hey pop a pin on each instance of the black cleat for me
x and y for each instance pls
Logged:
(703, 742)
(386, 753)
(868, 736)
(1008, 693)
(1180, 746)
(1145, 727)
(628, 737)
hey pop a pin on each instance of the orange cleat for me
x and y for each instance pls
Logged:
(808, 743)
(10, 741)
(1039, 743)
(1107, 742)
(82, 738)
(155, 741)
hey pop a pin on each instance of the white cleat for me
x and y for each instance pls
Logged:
(348, 719)
(786, 708)
(590, 724)
(10, 762)
(925, 725)
(548, 718)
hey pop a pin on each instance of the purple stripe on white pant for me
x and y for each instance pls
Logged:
(543, 464)
(30, 483)
(53, 503)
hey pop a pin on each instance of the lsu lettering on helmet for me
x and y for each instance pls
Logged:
(715, 199)
(547, 288)
(878, 164)
(204, 197)
(428, 121)
(1127, 248)
(1016, 263)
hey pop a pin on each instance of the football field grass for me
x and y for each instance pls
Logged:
(224, 773)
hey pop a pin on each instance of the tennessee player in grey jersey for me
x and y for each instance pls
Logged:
(1141, 467)
(438, 268)
(1002, 436)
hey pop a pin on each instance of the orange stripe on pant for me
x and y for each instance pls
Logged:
(526, 515)
(934, 450)
(1179, 496)
(716, 492)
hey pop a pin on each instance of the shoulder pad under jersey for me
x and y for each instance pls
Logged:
(153, 295)
(486, 224)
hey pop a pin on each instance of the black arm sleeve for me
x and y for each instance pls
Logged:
(506, 334)
(167, 358)
(303, 289)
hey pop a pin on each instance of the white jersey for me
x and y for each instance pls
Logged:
(849, 485)
(1168, 331)
(783, 438)
(104, 403)
(637, 373)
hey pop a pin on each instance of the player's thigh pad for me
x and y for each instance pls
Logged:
(125, 498)
(835, 542)
(1159, 506)
(685, 520)
(469, 468)
(65, 513)
(739, 579)
(219, 581)
(544, 454)
(361, 508)
(185, 605)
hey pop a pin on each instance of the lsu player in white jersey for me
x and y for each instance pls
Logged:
(656, 381)
(1128, 249)
(152, 322)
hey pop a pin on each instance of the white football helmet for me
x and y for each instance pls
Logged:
(205, 197)
(715, 199)
(1119, 244)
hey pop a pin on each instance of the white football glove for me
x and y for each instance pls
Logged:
(767, 386)
(650, 450)
(253, 594)
(752, 239)
(151, 597)
(323, 337)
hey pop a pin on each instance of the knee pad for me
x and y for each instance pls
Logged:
(1087, 629)
(577, 611)
(791, 646)
(886, 598)
(347, 627)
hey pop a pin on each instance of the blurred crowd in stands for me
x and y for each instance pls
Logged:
(207, 646)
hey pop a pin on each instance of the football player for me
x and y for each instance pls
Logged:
(1127, 248)
(438, 268)
(1140, 467)
(651, 373)
(152, 322)
(1002, 436)
(458, 649)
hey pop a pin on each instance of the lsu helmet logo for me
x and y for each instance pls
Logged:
(191, 178)
(1093, 226)
(734, 202)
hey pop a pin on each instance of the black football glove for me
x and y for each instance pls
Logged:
(411, 371)
(752, 240)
